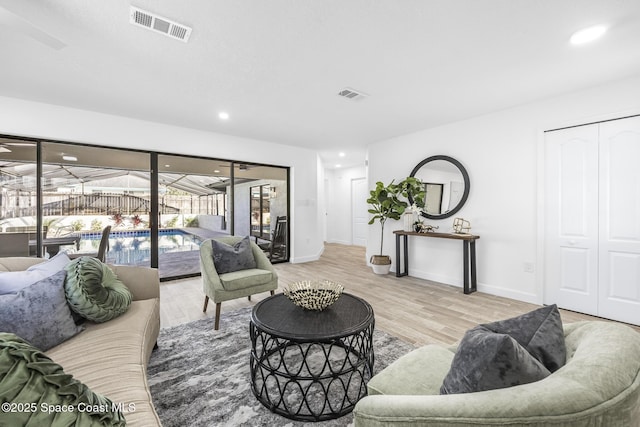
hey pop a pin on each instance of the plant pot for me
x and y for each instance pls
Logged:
(380, 264)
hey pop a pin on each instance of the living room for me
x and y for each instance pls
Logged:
(497, 130)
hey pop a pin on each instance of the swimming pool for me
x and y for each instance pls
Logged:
(133, 247)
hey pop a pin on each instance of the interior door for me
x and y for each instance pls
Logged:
(359, 212)
(619, 278)
(571, 219)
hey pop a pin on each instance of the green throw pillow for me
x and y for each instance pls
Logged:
(35, 391)
(94, 291)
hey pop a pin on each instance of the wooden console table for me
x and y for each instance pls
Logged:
(468, 248)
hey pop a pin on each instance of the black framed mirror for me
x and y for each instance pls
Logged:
(446, 184)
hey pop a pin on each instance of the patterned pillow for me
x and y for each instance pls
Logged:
(39, 313)
(32, 380)
(228, 258)
(94, 291)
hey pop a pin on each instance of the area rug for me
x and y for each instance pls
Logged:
(200, 377)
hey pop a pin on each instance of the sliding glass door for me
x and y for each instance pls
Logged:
(193, 199)
(159, 207)
(87, 188)
(18, 198)
(261, 207)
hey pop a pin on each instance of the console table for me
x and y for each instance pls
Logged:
(468, 249)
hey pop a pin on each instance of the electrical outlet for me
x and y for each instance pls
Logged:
(529, 267)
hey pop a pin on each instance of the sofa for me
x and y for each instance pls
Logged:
(599, 386)
(111, 358)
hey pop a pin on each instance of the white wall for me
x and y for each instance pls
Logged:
(31, 119)
(338, 206)
(502, 153)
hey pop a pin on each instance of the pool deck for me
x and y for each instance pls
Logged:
(184, 263)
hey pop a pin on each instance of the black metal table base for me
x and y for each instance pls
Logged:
(311, 381)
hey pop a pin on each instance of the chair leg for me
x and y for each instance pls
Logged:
(206, 302)
(249, 297)
(273, 292)
(217, 324)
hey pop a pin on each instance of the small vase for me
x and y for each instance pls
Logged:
(408, 219)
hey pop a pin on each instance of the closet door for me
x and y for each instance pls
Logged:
(619, 277)
(571, 219)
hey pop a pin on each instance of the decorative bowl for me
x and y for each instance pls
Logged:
(314, 294)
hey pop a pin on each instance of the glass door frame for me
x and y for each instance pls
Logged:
(154, 225)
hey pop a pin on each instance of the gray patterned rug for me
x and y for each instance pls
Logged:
(200, 377)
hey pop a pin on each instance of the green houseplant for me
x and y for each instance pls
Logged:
(385, 203)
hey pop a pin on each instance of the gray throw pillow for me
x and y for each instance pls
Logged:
(228, 258)
(12, 281)
(486, 361)
(540, 332)
(518, 350)
(39, 313)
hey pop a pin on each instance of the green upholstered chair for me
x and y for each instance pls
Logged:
(598, 386)
(236, 284)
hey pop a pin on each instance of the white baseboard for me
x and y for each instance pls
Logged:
(340, 242)
(482, 287)
(300, 260)
(509, 293)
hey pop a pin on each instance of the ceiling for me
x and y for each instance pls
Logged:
(98, 164)
(276, 66)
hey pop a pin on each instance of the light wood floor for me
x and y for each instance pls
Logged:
(415, 310)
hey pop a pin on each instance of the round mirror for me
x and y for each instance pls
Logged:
(446, 184)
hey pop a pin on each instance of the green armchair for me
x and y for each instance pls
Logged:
(235, 284)
(598, 386)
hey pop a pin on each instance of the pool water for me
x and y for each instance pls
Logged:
(134, 247)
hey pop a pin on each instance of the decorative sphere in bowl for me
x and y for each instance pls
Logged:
(314, 294)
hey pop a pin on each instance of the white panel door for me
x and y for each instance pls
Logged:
(359, 211)
(571, 219)
(619, 278)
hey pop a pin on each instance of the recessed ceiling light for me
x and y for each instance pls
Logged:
(338, 165)
(587, 35)
(341, 154)
(216, 171)
(69, 158)
(223, 115)
(167, 166)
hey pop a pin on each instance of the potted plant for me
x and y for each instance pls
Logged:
(386, 203)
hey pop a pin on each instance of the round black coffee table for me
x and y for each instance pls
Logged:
(311, 365)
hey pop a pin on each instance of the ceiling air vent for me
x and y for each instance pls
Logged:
(352, 94)
(159, 24)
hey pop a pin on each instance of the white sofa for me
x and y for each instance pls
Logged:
(111, 358)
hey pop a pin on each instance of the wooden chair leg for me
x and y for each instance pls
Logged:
(206, 302)
(217, 324)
